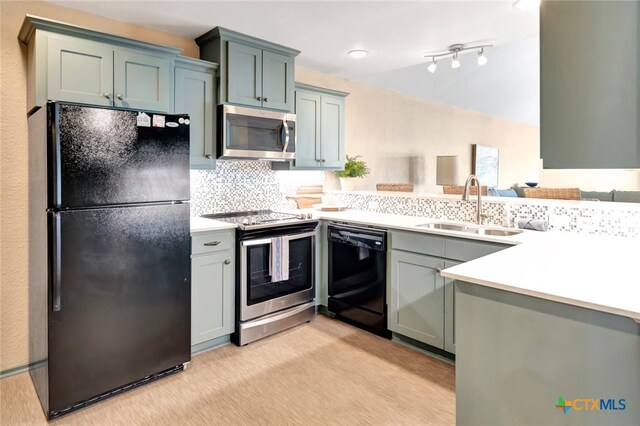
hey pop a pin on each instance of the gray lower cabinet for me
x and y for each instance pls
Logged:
(449, 310)
(73, 64)
(212, 286)
(195, 95)
(421, 301)
(417, 297)
(320, 127)
(253, 72)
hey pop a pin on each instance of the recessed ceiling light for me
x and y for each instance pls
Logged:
(357, 53)
(526, 4)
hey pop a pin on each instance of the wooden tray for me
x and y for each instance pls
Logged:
(336, 208)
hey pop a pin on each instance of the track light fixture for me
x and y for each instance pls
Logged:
(455, 63)
(433, 65)
(454, 50)
(481, 58)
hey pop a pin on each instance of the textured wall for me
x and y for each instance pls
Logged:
(400, 136)
(13, 156)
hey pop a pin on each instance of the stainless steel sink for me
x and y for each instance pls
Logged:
(472, 229)
(501, 232)
(450, 227)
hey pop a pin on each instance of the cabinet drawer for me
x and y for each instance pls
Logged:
(466, 250)
(418, 243)
(212, 242)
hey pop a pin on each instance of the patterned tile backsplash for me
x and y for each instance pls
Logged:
(246, 185)
(252, 185)
(589, 217)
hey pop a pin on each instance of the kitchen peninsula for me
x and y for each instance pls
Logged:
(556, 318)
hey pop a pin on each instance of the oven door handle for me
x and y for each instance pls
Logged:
(268, 240)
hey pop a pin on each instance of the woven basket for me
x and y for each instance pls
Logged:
(398, 187)
(553, 193)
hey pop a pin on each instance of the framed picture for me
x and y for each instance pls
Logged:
(484, 164)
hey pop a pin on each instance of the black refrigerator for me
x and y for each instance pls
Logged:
(109, 251)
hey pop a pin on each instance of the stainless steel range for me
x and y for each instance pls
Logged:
(260, 219)
(275, 278)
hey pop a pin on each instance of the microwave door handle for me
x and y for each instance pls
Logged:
(286, 135)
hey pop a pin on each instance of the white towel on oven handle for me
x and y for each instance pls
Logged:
(279, 260)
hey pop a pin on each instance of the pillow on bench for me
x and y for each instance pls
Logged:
(494, 192)
(596, 195)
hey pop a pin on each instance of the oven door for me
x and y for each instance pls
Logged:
(258, 294)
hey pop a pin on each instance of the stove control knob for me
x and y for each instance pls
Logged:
(246, 221)
(302, 216)
(309, 216)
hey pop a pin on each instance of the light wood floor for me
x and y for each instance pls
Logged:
(325, 372)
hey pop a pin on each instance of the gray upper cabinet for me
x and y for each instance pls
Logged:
(245, 69)
(308, 105)
(195, 95)
(80, 71)
(277, 81)
(320, 127)
(74, 64)
(142, 81)
(253, 72)
(590, 84)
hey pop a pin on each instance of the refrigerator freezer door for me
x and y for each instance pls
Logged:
(102, 156)
(124, 294)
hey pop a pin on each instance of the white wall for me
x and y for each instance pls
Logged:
(508, 86)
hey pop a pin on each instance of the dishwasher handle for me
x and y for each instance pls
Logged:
(357, 237)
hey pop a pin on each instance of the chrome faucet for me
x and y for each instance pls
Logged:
(465, 196)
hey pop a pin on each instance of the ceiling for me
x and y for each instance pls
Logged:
(396, 33)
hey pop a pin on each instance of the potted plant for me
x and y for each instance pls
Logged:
(353, 168)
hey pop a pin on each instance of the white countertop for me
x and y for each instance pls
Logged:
(200, 224)
(592, 271)
(410, 223)
(596, 272)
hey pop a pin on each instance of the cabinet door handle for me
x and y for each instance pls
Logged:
(265, 99)
(107, 95)
(259, 98)
(227, 261)
(119, 96)
(212, 243)
(438, 270)
(209, 156)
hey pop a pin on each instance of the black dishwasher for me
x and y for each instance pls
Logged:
(358, 276)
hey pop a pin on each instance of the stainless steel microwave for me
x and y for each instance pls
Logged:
(255, 134)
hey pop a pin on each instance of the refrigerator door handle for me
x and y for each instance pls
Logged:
(57, 263)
